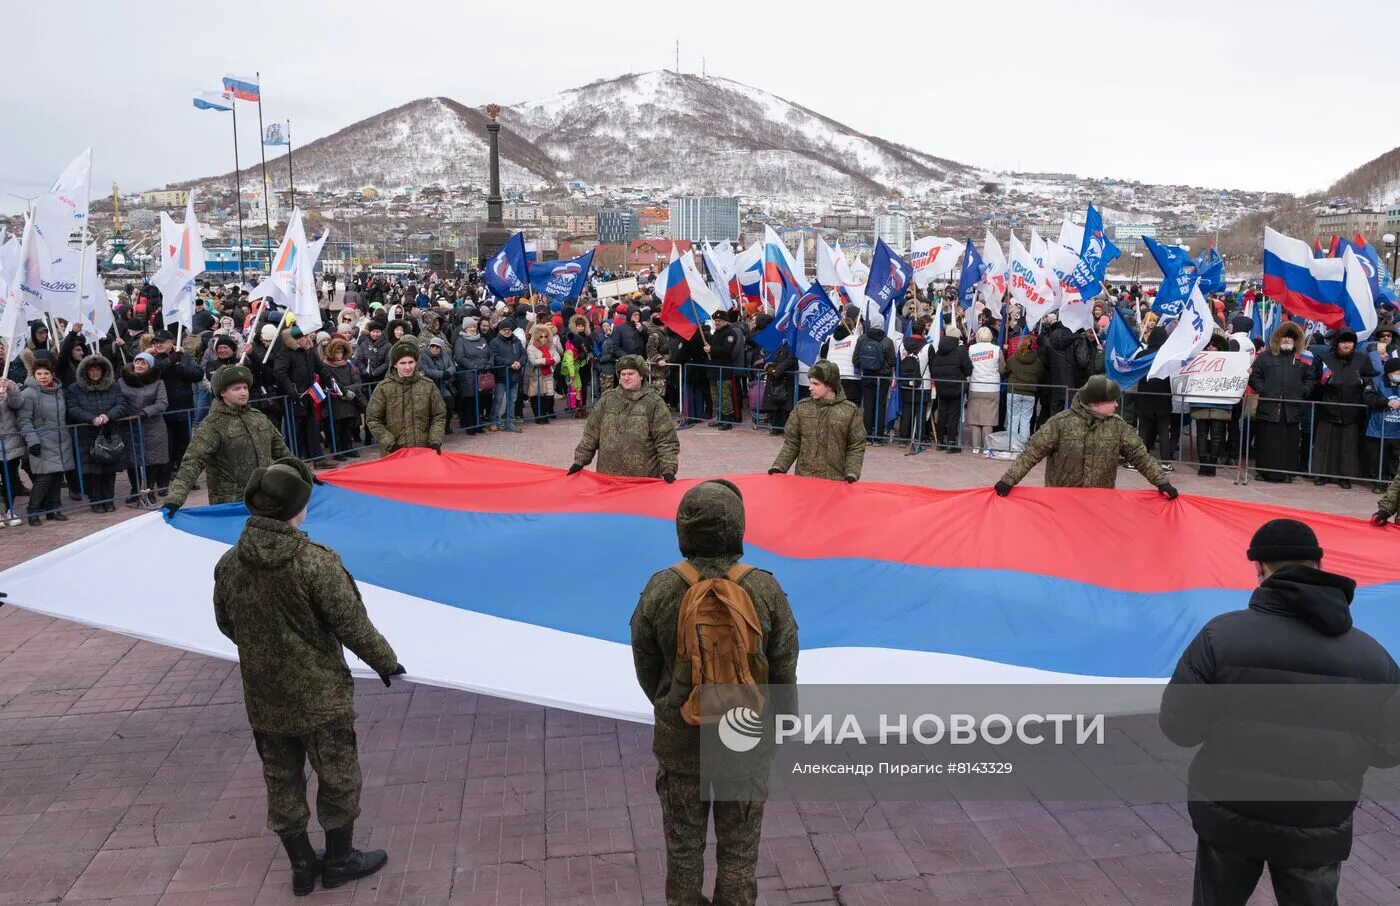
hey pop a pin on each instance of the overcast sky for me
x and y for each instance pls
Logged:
(1260, 94)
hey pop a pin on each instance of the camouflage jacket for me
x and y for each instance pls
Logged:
(632, 433)
(1083, 451)
(229, 444)
(289, 605)
(826, 438)
(406, 413)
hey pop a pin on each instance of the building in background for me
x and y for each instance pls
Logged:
(1125, 234)
(617, 225)
(166, 198)
(655, 223)
(653, 253)
(1371, 224)
(704, 218)
(894, 229)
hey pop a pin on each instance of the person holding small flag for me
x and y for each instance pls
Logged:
(406, 409)
(1083, 444)
(302, 380)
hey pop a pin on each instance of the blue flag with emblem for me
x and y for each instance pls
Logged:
(890, 276)
(1179, 274)
(507, 271)
(1125, 359)
(971, 274)
(1096, 253)
(561, 280)
(807, 324)
(1210, 268)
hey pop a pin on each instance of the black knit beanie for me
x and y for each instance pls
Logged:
(1284, 539)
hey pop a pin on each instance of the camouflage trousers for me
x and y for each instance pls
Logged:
(685, 817)
(331, 749)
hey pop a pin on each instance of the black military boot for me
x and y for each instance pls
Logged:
(306, 862)
(344, 863)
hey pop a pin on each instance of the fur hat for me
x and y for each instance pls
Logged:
(403, 349)
(229, 375)
(1099, 389)
(827, 373)
(226, 341)
(1284, 539)
(632, 363)
(338, 344)
(279, 491)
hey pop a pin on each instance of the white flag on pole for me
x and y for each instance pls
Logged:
(24, 289)
(175, 278)
(1194, 327)
(1030, 283)
(932, 257)
(991, 288)
(61, 220)
(97, 319)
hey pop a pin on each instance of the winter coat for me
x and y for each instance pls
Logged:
(825, 438)
(439, 371)
(727, 349)
(1297, 630)
(86, 400)
(470, 355)
(43, 420)
(541, 363)
(1025, 370)
(913, 347)
(692, 353)
(605, 353)
(291, 607)
(1083, 450)
(658, 348)
(1066, 357)
(146, 402)
(406, 412)
(710, 526)
(777, 393)
(1341, 380)
(1154, 395)
(1383, 422)
(65, 366)
(630, 340)
(891, 353)
(228, 445)
(504, 353)
(632, 434)
(11, 440)
(950, 367)
(1279, 379)
(350, 402)
(372, 358)
(181, 373)
(296, 369)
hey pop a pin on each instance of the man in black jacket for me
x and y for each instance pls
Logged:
(1297, 631)
(1067, 361)
(950, 367)
(180, 373)
(297, 368)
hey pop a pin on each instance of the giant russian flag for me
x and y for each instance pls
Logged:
(513, 580)
(1334, 291)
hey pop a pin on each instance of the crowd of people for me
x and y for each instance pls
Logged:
(403, 363)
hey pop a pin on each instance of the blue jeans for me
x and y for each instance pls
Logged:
(503, 398)
(202, 400)
(1020, 408)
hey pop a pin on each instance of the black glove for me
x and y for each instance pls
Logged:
(171, 509)
(575, 469)
(1167, 491)
(670, 477)
(316, 479)
(775, 471)
(850, 480)
(35, 449)
(437, 448)
(1381, 518)
(1002, 488)
(397, 671)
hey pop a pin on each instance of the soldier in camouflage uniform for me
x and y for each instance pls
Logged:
(825, 435)
(630, 429)
(710, 528)
(1083, 444)
(229, 444)
(289, 605)
(406, 409)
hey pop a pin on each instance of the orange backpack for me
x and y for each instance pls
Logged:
(719, 634)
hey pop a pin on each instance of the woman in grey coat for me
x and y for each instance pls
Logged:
(146, 400)
(12, 448)
(44, 423)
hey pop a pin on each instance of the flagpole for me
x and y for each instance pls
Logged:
(291, 182)
(237, 188)
(262, 150)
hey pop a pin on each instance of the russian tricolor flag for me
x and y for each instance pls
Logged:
(950, 588)
(1334, 291)
(686, 302)
(242, 87)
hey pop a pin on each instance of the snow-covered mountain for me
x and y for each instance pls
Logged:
(430, 141)
(692, 133)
